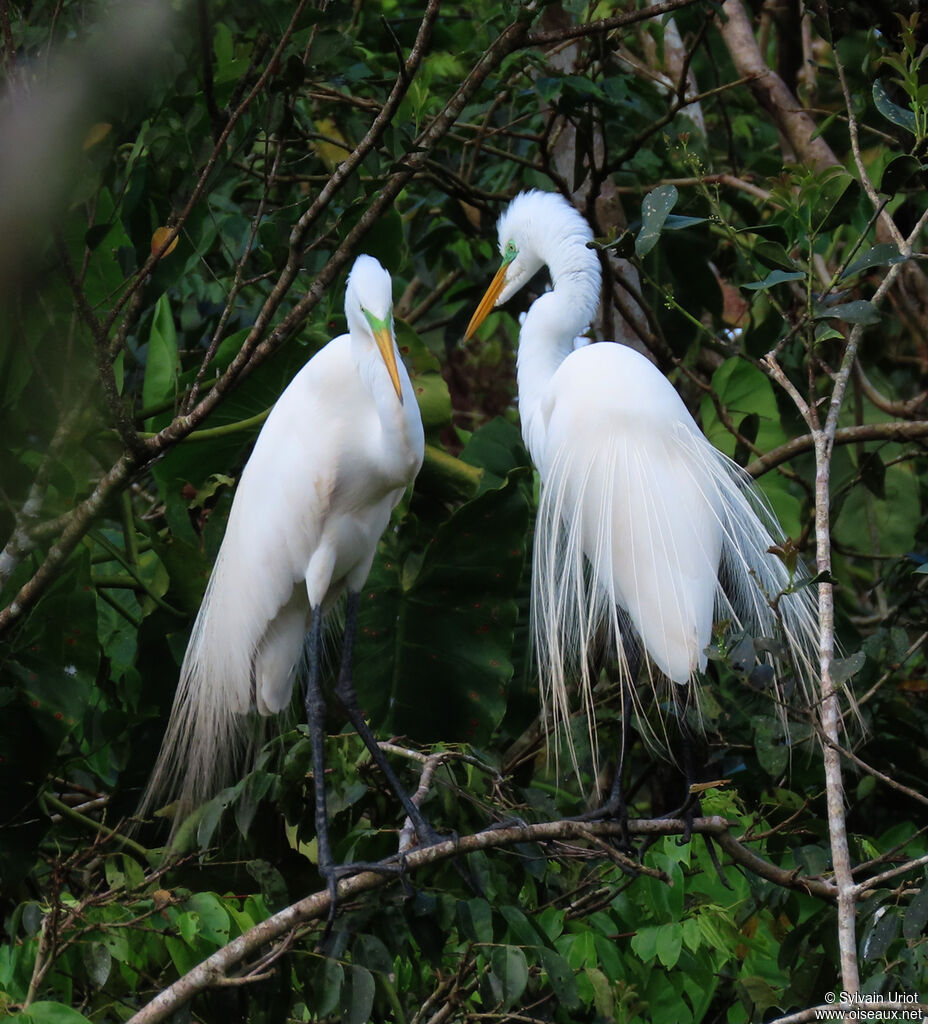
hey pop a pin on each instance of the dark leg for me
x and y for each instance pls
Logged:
(691, 805)
(346, 694)
(690, 801)
(615, 807)
(315, 719)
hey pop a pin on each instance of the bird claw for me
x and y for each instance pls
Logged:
(614, 809)
(334, 873)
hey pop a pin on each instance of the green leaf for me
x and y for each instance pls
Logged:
(161, 365)
(428, 384)
(370, 952)
(891, 111)
(883, 255)
(509, 974)
(894, 520)
(521, 929)
(898, 173)
(872, 471)
(654, 211)
(560, 977)
(771, 746)
(773, 232)
(773, 278)
(668, 943)
(357, 996)
(881, 934)
(757, 995)
(838, 198)
(676, 222)
(497, 449)
(446, 614)
(327, 986)
(257, 785)
(860, 311)
(45, 1012)
(843, 669)
(476, 919)
(916, 915)
(746, 391)
(603, 997)
(97, 962)
(644, 943)
(213, 919)
(774, 255)
(273, 885)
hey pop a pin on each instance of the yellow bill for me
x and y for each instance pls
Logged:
(487, 302)
(384, 338)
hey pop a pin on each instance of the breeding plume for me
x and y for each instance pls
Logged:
(334, 457)
(645, 532)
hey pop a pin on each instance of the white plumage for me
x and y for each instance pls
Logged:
(644, 529)
(334, 457)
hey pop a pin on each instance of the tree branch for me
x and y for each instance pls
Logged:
(214, 970)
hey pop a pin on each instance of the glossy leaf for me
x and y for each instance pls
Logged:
(775, 277)
(859, 311)
(892, 111)
(654, 212)
(448, 615)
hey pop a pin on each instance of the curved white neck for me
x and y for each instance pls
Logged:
(551, 324)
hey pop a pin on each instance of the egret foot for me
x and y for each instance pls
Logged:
(615, 808)
(334, 873)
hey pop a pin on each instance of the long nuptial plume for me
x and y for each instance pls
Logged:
(646, 534)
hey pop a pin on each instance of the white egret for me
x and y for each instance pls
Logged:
(341, 445)
(645, 532)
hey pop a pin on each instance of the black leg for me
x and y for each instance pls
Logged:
(690, 802)
(315, 719)
(616, 801)
(346, 694)
(691, 805)
(615, 807)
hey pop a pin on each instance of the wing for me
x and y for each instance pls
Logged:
(247, 638)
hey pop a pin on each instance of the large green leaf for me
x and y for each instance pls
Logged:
(161, 366)
(435, 627)
(892, 521)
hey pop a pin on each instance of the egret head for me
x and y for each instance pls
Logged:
(527, 229)
(369, 309)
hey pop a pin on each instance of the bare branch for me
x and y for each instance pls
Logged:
(215, 969)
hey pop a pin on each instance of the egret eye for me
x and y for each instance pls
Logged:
(510, 252)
